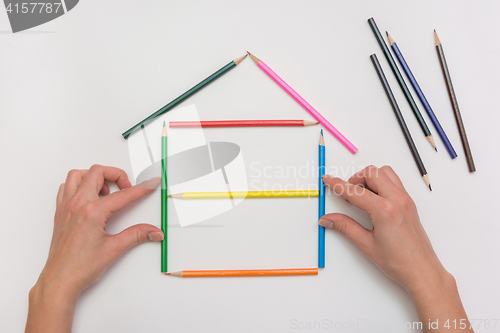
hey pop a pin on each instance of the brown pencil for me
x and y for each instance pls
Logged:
(454, 103)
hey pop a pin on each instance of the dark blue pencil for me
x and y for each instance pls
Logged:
(421, 96)
(321, 201)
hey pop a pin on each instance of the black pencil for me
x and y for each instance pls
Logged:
(401, 121)
(454, 103)
(182, 97)
(401, 82)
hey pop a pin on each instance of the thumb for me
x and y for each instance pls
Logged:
(355, 232)
(136, 234)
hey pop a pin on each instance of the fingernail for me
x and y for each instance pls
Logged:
(326, 223)
(151, 184)
(326, 178)
(155, 236)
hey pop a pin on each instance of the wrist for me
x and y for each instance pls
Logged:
(51, 308)
(48, 291)
(433, 285)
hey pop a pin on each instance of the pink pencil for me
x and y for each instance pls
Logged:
(304, 104)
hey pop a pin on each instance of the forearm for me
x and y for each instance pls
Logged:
(50, 309)
(439, 306)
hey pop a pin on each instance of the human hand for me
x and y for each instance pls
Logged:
(81, 249)
(398, 244)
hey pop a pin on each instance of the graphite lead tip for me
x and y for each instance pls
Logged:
(254, 58)
(310, 122)
(427, 182)
(391, 41)
(240, 59)
(431, 141)
(436, 38)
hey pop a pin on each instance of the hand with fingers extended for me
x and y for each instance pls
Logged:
(398, 244)
(81, 249)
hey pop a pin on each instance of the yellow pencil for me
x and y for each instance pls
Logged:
(242, 194)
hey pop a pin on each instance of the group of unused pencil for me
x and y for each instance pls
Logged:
(421, 97)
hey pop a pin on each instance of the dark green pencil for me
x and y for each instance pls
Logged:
(164, 198)
(401, 82)
(184, 96)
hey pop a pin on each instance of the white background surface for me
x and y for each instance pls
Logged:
(70, 87)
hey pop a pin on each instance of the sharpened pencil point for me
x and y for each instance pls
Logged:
(321, 139)
(426, 181)
(240, 59)
(310, 122)
(167, 273)
(254, 58)
(431, 141)
(391, 41)
(436, 38)
(435, 148)
(170, 195)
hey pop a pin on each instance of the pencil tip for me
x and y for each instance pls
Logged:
(238, 60)
(321, 132)
(435, 149)
(254, 58)
(164, 123)
(167, 273)
(391, 41)
(387, 33)
(170, 195)
(436, 38)
(310, 122)
(430, 188)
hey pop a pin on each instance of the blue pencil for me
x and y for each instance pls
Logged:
(421, 96)
(321, 201)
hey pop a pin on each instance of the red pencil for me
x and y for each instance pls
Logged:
(241, 123)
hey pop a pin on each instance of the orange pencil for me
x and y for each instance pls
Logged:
(247, 272)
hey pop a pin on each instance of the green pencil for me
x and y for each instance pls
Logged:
(184, 96)
(164, 197)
